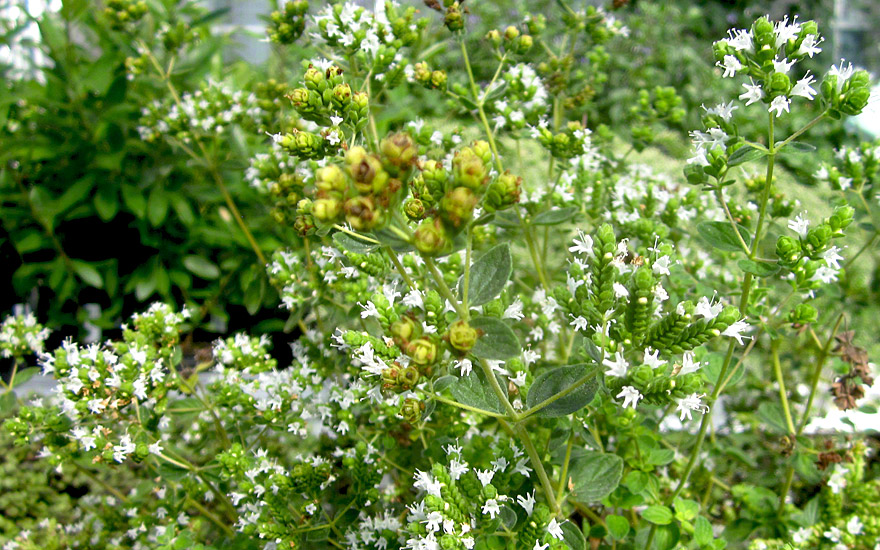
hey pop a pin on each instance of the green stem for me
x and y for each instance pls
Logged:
(467, 268)
(817, 373)
(499, 392)
(443, 289)
(400, 269)
(475, 92)
(535, 459)
(866, 246)
(563, 476)
(211, 516)
(783, 395)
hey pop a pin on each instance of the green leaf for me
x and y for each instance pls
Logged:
(703, 531)
(444, 382)
(358, 246)
(134, 200)
(26, 374)
(386, 236)
(744, 154)
(106, 202)
(685, 509)
(488, 275)
(474, 390)
(770, 413)
(556, 216)
(7, 403)
(797, 147)
(573, 536)
(508, 517)
(555, 381)
(202, 267)
(496, 341)
(618, 526)
(721, 235)
(157, 207)
(758, 269)
(88, 274)
(594, 476)
(636, 481)
(658, 515)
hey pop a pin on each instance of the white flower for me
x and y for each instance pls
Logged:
(854, 526)
(691, 403)
(652, 359)
(838, 480)
(527, 502)
(336, 120)
(688, 365)
(491, 507)
(539, 546)
(735, 331)
(579, 323)
(707, 309)
(800, 225)
(155, 448)
(369, 310)
(740, 39)
(803, 89)
(485, 476)
(618, 366)
(583, 244)
(810, 45)
(779, 104)
(630, 396)
(833, 534)
(782, 66)
(842, 73)
(753, 93)
(832, 257)
(514, 310)
(555, 529)
(786, 31)
(465, 366)
(432, 521)
(801, 535)
(730, 65)
(661, 265)
(620, 291)
(413, 299)
(824, 275)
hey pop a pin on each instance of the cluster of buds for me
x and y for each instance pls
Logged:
(435, 79)
(526, 99)
(811, 257)
(21, 335)
(571, 141)
(207, 111)
(511, 40)
(124, 13)
(662, 104)
(288, 24)
(857, 169)
(766, 53)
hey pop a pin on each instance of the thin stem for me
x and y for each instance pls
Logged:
(720, 196)
(400, 269)
(783, 395)
(443, 289)
(797, 134)
(817, 373)
(211, 516)
(866, 246)
(789, 477)
(475, 92)
(499, 392)
(467, 268)
(535, 459)
(107, 487)
(563, 476)
(442, 399)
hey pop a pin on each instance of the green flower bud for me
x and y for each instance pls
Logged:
(523, 44)
(399, 150)
(469, 169)
(457, 206)
(764, 33)
(431, 238)
(511, 33)
(494, 36)
(788, 249)
(422, 351)
(303, 144)
(421, 72)
(536, 23)
(326, 210)
(366, 170)
(341, 97)
(414, 209)
(405, 329)
(438, 79)
(412, 409)
(482, 149)
(841, 218)
(454, 20)
(803, 314)
(315, 79)
(330, 178)
(503, 192)
(779, 84)
(462, 336)
(818, 237)
(363, 214)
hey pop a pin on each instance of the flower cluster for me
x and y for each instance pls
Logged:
(21, 335)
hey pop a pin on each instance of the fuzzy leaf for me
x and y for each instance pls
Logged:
(573, 536)
(658, 515)
(554, 217)
(702, 531)
(744, 154)
(497, 341)
(202, 267)
(488, 275)
(474, 390)
(618, 526)
(758, 269)
(594, 476)
(347, 242)
(553, 382)
(721, 235)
